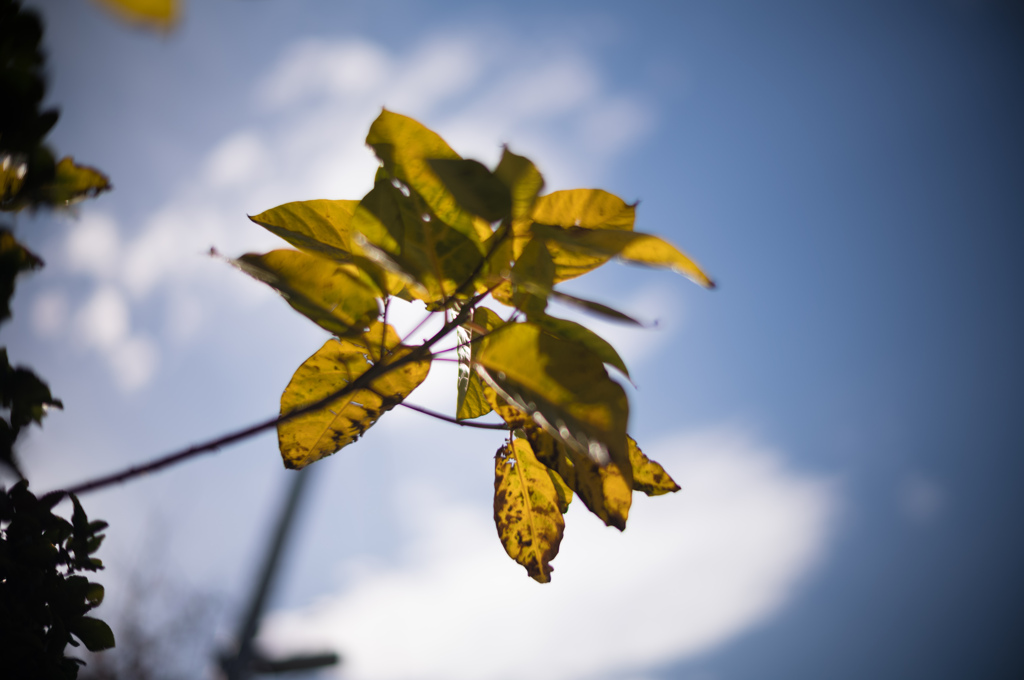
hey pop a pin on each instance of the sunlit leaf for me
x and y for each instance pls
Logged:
(527, 509)
(338, 297)
(581, 335)
(628, 245)
(312, 436)
(404, 145)
(472, 396)
(606, 490)
(474, 187)
(155, 14)
(560, 386)
(14, 259)
(649, 476)
(320, 226)
(429, 252)
(72, 183)
(586, 209)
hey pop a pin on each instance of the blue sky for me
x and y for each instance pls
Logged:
(843, 413)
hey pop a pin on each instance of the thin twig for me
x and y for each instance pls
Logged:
(449, 419)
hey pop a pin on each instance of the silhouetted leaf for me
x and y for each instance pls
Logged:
(595, 307)
(14, 259)
(94, 634)
(474, 187)
(527, 510)
(403, 145)
(341, 298)
(649, 476)
(312, 436)
(630, 246)
(561, 386)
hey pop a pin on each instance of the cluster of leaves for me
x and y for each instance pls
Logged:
(43, 601)
(452, 234)
(43, 598)
(30, 175)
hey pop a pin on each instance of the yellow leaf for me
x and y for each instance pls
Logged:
(404, 146)
(583, 336)
(606, 490)
(649, 476)
(158, 14)
(340, 298)
(473, 401)
(312, 436)
(320, 226)
(630, 246)
(73, 183)
(586, 209)
(564, 390)
(527, 509)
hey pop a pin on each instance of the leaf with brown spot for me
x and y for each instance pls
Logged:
(649, 476)
(315, 435)
(527, 509)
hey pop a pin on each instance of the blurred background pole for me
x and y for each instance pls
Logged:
(246, 661)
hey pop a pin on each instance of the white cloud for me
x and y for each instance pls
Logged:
(93, 245)
(103, 321)
(134, 362)
(692, 571)
(49, 314)
(237, 160)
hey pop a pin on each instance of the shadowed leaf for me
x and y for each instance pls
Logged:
(523, 180)
(649, 476)
(94, 634)
(338, 363)
(595, 307)
(340, 298)
(606, 490)
(561, 386)
(527, 509)
(403, 145)
(574, 332)
(474, 187)
(427, 251)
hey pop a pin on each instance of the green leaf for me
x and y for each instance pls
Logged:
(630, 246)
(472, 393)
(94, 634)
(321, 227)
(14, 259)
(649, 476)
(404, 145)
(403, 235)
(340, 298)
(474, 187)
(560, 386)
(94, 594)
(523, 180)
(581, 335)
(527, 509)
(73, 183)
(315, 435)
(606, 490)
(532, 278)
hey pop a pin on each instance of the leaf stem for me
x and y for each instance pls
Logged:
(449, 419)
